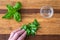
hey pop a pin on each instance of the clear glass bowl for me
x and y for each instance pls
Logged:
(46, 11)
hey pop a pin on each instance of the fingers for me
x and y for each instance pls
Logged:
(12, 34)
(22, 36)
(17, 34)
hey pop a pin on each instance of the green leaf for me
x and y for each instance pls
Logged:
(18, 6)
(28, 32)
(36, 22)
(7, 15)
(17, 17)
(34, 28)
(24, 27)
(33, 32)
(10, 8)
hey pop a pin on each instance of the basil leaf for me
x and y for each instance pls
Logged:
(8, 15)
(10, 8)
(18, 6)
(17, 17)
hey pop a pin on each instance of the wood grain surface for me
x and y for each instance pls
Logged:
(29, 12)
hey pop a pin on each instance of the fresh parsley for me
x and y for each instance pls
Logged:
(31, 28)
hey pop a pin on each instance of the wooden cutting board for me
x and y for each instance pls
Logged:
(30, 11)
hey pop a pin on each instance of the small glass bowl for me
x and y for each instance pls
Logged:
(46, 11)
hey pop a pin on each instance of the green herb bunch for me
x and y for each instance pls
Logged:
(31, 28)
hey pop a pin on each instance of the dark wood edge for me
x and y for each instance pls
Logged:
(36, 37)
(29, 11)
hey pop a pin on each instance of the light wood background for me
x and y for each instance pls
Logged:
(48, 26)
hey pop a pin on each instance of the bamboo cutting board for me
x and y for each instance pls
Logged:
(29, 12)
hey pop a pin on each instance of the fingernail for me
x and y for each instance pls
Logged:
(23, 30)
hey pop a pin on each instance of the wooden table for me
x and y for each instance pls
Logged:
(29, 12)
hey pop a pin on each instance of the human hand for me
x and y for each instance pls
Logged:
(17, 35)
